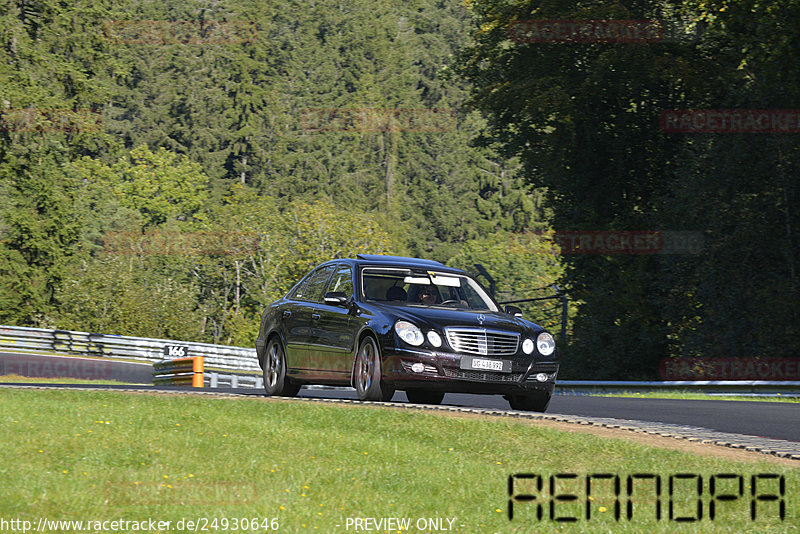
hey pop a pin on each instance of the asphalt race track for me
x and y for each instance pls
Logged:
(762, 419)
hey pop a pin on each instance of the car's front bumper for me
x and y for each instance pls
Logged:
(442, 371)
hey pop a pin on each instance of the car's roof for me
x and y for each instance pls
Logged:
(399, 261)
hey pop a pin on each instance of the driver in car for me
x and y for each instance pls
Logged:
(428, 295)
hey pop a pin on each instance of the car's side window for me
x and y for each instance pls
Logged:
(299, 289)
(342, 281)
(315, 285)
(378, 283)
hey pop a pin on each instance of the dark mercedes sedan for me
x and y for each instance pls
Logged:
(386, 323)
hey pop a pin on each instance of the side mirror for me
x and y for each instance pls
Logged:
(513, 310)
(336, 298)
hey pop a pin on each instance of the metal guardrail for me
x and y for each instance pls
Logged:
(222, 380)
(24, 339)
(584, 387)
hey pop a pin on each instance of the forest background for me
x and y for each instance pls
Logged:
(169, 168)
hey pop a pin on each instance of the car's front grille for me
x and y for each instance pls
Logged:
(483, 342)
(483, 377)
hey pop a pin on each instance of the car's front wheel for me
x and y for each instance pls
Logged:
(421, 396)
(531, 402)
(367, 379)
(275, 381)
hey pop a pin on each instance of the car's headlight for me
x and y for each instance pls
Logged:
(409, 333)
(527, 345)
(545, 344)
(434, 339)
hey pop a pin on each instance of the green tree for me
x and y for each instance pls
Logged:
(160, 185)
(41, 234)
(739, 296)
(49, 96)
(267, 251)
(161, 132)
(115, 295)
(583, 118)
(319, 231)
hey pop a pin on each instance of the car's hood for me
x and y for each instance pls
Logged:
(443, 317)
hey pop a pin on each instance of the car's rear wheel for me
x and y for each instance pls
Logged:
(367, 379)
(275, 381)
(421, 396)
(531, 402)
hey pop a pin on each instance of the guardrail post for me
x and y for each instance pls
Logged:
(197, 371)
(564, 319)
(179, 372)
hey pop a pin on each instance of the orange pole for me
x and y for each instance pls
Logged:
(197, 368)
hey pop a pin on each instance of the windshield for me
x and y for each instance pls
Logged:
(408, 287)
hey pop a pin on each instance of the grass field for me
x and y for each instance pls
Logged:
(17, 379)
(685, 395)
(313, 467)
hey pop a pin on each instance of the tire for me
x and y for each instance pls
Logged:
(421, 396)
(275, 381)
(535, 402)
(367, 373)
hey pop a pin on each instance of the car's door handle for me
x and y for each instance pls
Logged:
(315, 316)
(286, 314)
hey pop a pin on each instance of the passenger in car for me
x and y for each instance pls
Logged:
(396, 293)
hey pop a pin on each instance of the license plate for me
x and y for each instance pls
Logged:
(481, 364)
